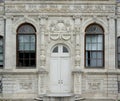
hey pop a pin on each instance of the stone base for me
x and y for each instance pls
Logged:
(97, 100)
(59, 99)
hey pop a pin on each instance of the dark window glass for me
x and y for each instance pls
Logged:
(118, 52)
(65, 50)
(0, 86)
(55, 50)
(1, 52)
(118, 86)
(26, 46)
(94, 46)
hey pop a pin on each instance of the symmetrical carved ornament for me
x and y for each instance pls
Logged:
(77, 58)
(94, 85)
(25, 85)
(43, 58)
(59, 8)
(60, 30)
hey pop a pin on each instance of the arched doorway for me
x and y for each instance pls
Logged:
(60, 70)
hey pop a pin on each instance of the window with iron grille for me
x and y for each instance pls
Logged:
(26, 46)
(94, 48)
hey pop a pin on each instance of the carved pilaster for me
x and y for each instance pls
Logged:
(77, 83)
(77, 57)
(42, 81)
(42, 58)
(43, 24)
(77, 24)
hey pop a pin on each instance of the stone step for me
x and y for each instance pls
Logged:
(97, 100)
(58, 99)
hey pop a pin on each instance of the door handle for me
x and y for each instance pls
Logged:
(61, 81)
(58, 81)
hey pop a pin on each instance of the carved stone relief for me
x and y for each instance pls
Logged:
(60, 30)
(1, 28)
(25, 85)
(77, 58)
(59, 8)
(94, 85)
(77, 83)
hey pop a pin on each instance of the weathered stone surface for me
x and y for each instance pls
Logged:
(60, 22)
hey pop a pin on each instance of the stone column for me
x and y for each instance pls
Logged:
(42, 82)
(42, 74)
(10, 45)
(77, 83)
(77, 69)
(77, 44)
(43, 24)
(111, 40)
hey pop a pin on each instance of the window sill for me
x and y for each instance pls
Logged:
(18, 67)
(94, 68)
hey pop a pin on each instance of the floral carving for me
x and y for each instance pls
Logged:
(60, 30)
(59, 8)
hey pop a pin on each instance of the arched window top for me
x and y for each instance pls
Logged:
(94, 28)
(60, 49)
(55, 50)
(26, 28)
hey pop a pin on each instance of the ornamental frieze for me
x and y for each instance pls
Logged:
(50, 8)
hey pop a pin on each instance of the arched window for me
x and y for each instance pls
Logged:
(26, 46)
(94, 46)
(1, 52)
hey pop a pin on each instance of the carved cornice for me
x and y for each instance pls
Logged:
(57, 8)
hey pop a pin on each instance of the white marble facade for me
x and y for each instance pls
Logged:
(60, 22)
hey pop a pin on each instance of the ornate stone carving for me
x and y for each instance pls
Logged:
(60, 30)
(59, 8)
(1, 28)
(43, 58)
(94, 85)
(77, 57)
(77, 83)
(25, 85)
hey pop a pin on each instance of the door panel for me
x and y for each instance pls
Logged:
(60, 72)
(54, 75)
(65, 75)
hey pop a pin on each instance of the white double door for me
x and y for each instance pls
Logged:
(60, 72)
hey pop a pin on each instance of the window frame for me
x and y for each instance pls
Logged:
(1, 37)
(118, 84)
(118, 53)
(103, 51)
(1, 86)
(17, 48)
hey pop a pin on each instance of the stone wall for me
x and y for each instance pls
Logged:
(60, 22)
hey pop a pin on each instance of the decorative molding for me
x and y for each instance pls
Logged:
(60, 30)
(59, 8)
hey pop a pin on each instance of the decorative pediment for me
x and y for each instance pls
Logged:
(60, 30)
